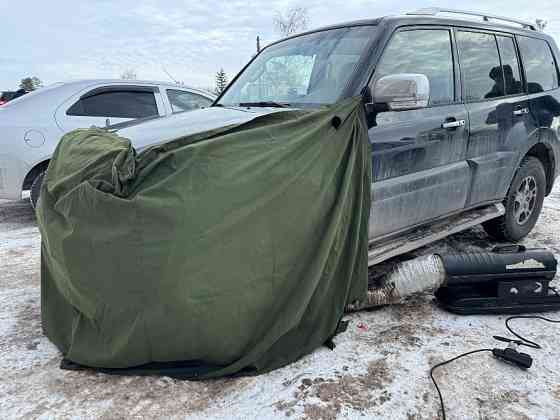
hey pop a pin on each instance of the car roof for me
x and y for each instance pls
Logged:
(53, 95)
(56, 93)
(123, 82)
(418, 19)
(472, 22)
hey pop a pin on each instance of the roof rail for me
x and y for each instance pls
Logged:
(433, 11)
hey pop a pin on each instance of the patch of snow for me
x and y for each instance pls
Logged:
(379, 368)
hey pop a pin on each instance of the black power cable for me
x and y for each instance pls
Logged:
(445, 363)
(522, 340)
(509, 355)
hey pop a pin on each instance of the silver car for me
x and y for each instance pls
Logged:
(32, 125)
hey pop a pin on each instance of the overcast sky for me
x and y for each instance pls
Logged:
(70, 39)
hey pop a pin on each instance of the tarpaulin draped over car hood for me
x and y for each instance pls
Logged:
(159, 130)
(237, 248)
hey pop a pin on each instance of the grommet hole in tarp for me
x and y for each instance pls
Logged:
(336, 121)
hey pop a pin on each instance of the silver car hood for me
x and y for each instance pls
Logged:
(162, 130)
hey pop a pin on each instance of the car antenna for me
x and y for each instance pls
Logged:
(171, 77)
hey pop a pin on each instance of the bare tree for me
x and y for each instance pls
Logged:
(30, 84)
(292, 21)
(541, 24)
(128, 74)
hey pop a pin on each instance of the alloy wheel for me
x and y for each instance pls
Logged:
(525, 200)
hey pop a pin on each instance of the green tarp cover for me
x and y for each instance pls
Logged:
(236, 248)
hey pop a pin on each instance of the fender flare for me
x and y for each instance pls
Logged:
(546, 138)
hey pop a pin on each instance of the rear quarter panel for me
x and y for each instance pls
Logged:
(553, 137)
(18, 156)
(546, 108)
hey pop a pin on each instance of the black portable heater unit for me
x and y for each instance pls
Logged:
(507, 280)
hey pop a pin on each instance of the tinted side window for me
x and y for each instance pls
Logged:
(186, 101)
(480, 65)
(540, 68)
(116, 104)
(510, 66)
(425, 52)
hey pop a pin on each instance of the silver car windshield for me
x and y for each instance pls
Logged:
(309, 70)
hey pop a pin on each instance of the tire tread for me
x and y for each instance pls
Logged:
(498, 227)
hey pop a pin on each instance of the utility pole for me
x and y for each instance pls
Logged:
(258, 44)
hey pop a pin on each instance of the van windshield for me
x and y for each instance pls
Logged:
(309, 70)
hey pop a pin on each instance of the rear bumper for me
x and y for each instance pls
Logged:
(12, 174)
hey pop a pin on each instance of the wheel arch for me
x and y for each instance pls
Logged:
(32, 174)
(544, 153)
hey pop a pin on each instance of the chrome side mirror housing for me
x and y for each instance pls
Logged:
(401, 92)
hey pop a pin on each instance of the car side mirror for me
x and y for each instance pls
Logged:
(400, 92)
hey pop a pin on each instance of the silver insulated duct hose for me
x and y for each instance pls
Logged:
(405, 279)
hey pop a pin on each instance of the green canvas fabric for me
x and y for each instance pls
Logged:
(236, 248)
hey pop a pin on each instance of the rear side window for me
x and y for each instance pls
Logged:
(540, 68)
(186, 101)
(510, 66)
(116, 104)
(480, 66)
(423, 51)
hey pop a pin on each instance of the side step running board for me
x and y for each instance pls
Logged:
(384, 249)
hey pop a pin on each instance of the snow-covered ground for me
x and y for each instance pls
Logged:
(379, 368)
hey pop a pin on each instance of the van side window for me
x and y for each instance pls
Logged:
(424, 51)
(510, 66)
(540, 68)
(480, 66)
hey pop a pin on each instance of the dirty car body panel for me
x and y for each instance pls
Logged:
(421, 173)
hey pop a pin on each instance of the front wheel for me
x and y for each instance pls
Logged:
(36, 189)
(523, 203)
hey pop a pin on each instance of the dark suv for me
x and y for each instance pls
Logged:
(464, 116)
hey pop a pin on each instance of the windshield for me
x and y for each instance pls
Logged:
(309, 70)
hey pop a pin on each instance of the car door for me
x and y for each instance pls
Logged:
(419, 167)
(500, 121)
(109, 105)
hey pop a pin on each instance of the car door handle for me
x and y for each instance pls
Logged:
(453, 124)
(522, 111)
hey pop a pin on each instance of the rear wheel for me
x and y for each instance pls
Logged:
(36, 189)
(523, 203)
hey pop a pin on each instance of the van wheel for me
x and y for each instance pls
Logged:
(36, 189)
(523, 203)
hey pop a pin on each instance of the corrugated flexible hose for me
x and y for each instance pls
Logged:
(405, 279)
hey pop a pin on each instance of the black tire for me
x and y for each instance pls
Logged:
(36, 189)
(523, 203)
